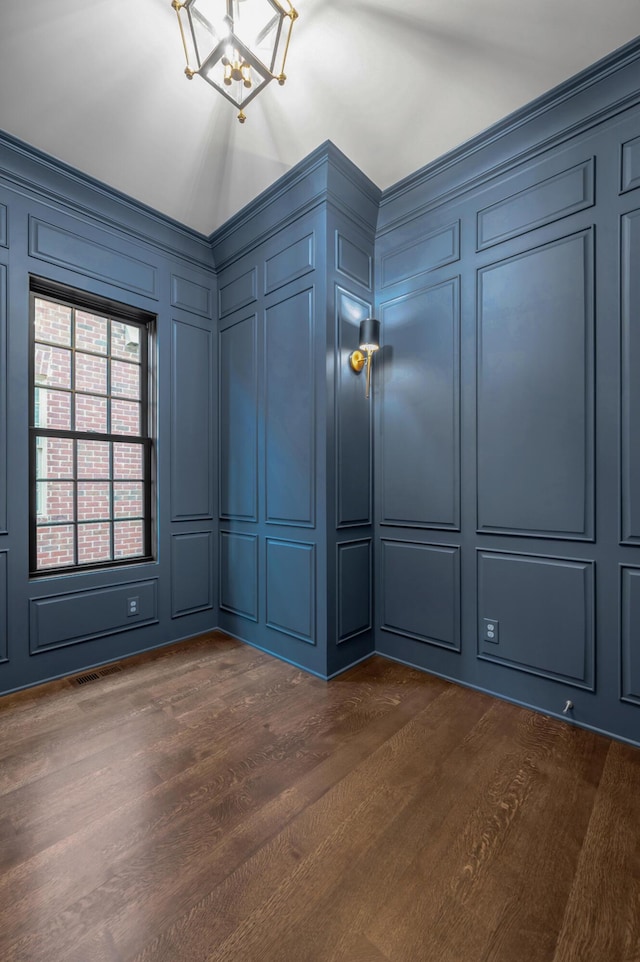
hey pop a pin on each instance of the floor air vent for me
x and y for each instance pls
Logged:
(85, 679)
(96, 675)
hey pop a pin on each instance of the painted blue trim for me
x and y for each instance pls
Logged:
(624, 56)
(274, 654)
(53, 181)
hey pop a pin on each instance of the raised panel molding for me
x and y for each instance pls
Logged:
(420, 586)
(291, 592)
(630, 633)
(543, 203)
(239, 574)
(296, 260)
(240, 292)
(420, 410)
(354, 575)
(191, 573)
(78, 616)
(238, 420)
(290, 416)
(4, 226)
(544, 608)
(353, 414)
(630, 383)
(353, 262)
(186, 295)
(4, 609)
(3, 401)
(425, 254)
(630, 165)
(64, 248)
(191, 422)
(535, 392)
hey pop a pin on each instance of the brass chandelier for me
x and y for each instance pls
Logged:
(238, 46)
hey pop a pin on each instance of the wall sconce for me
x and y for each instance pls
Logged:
(369, 343)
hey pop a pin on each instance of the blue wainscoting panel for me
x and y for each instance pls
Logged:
(190, 296)
(4, 226)
(630, 174)
(535, 392)
(76, 616)
(238, 293)
(354, 588)
(559, 196)
(630, 630)
(67, 249)
(239, 574)
(291, 595)
(630, 399)
(419, 423)
(430, 251)
(297, 259)
(3, 400)
(191, 422)
(353, 262)
(420, 586)
(544, 609)
(353, 413)
(290, 411)
(238, 420)
(191, 573)
(4, 609)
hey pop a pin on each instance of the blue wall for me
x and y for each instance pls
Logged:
(507, 467)
(494, 478)
(57, 224)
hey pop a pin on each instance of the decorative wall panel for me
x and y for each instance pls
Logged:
(240, 292)
(550, 200)
(353, 262)
(535, 391)
(238, 387)
(189, 296)
(294, 261)
(291, 595)
(353, 418)
(4, 227)
(65, 248)
(290, 411)
(421, 592)
(77, 616)
(4, 608)
(430, 251)
(630, 388)
(191, 422)
(191, 573)
(630, 641)
(630, 173)
(239, 574)
(543, 612)
(3, 400)
(354, 588)
(419, 421)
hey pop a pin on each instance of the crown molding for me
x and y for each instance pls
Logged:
(31, 172)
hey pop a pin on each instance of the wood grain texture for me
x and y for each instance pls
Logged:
(210, 804)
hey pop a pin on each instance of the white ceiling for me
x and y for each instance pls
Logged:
(99, 84)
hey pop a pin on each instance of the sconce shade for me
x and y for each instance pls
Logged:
(369, 334)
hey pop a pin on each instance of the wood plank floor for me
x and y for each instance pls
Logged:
(211, 803)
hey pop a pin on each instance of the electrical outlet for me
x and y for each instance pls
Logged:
(133, 606)
(490, 626)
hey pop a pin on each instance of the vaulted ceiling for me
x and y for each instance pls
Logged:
(100, 85)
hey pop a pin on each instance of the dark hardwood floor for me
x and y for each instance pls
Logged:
(211, 803)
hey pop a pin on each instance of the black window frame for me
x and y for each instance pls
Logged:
(112, 310)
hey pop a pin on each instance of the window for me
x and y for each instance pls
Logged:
(90, 444)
